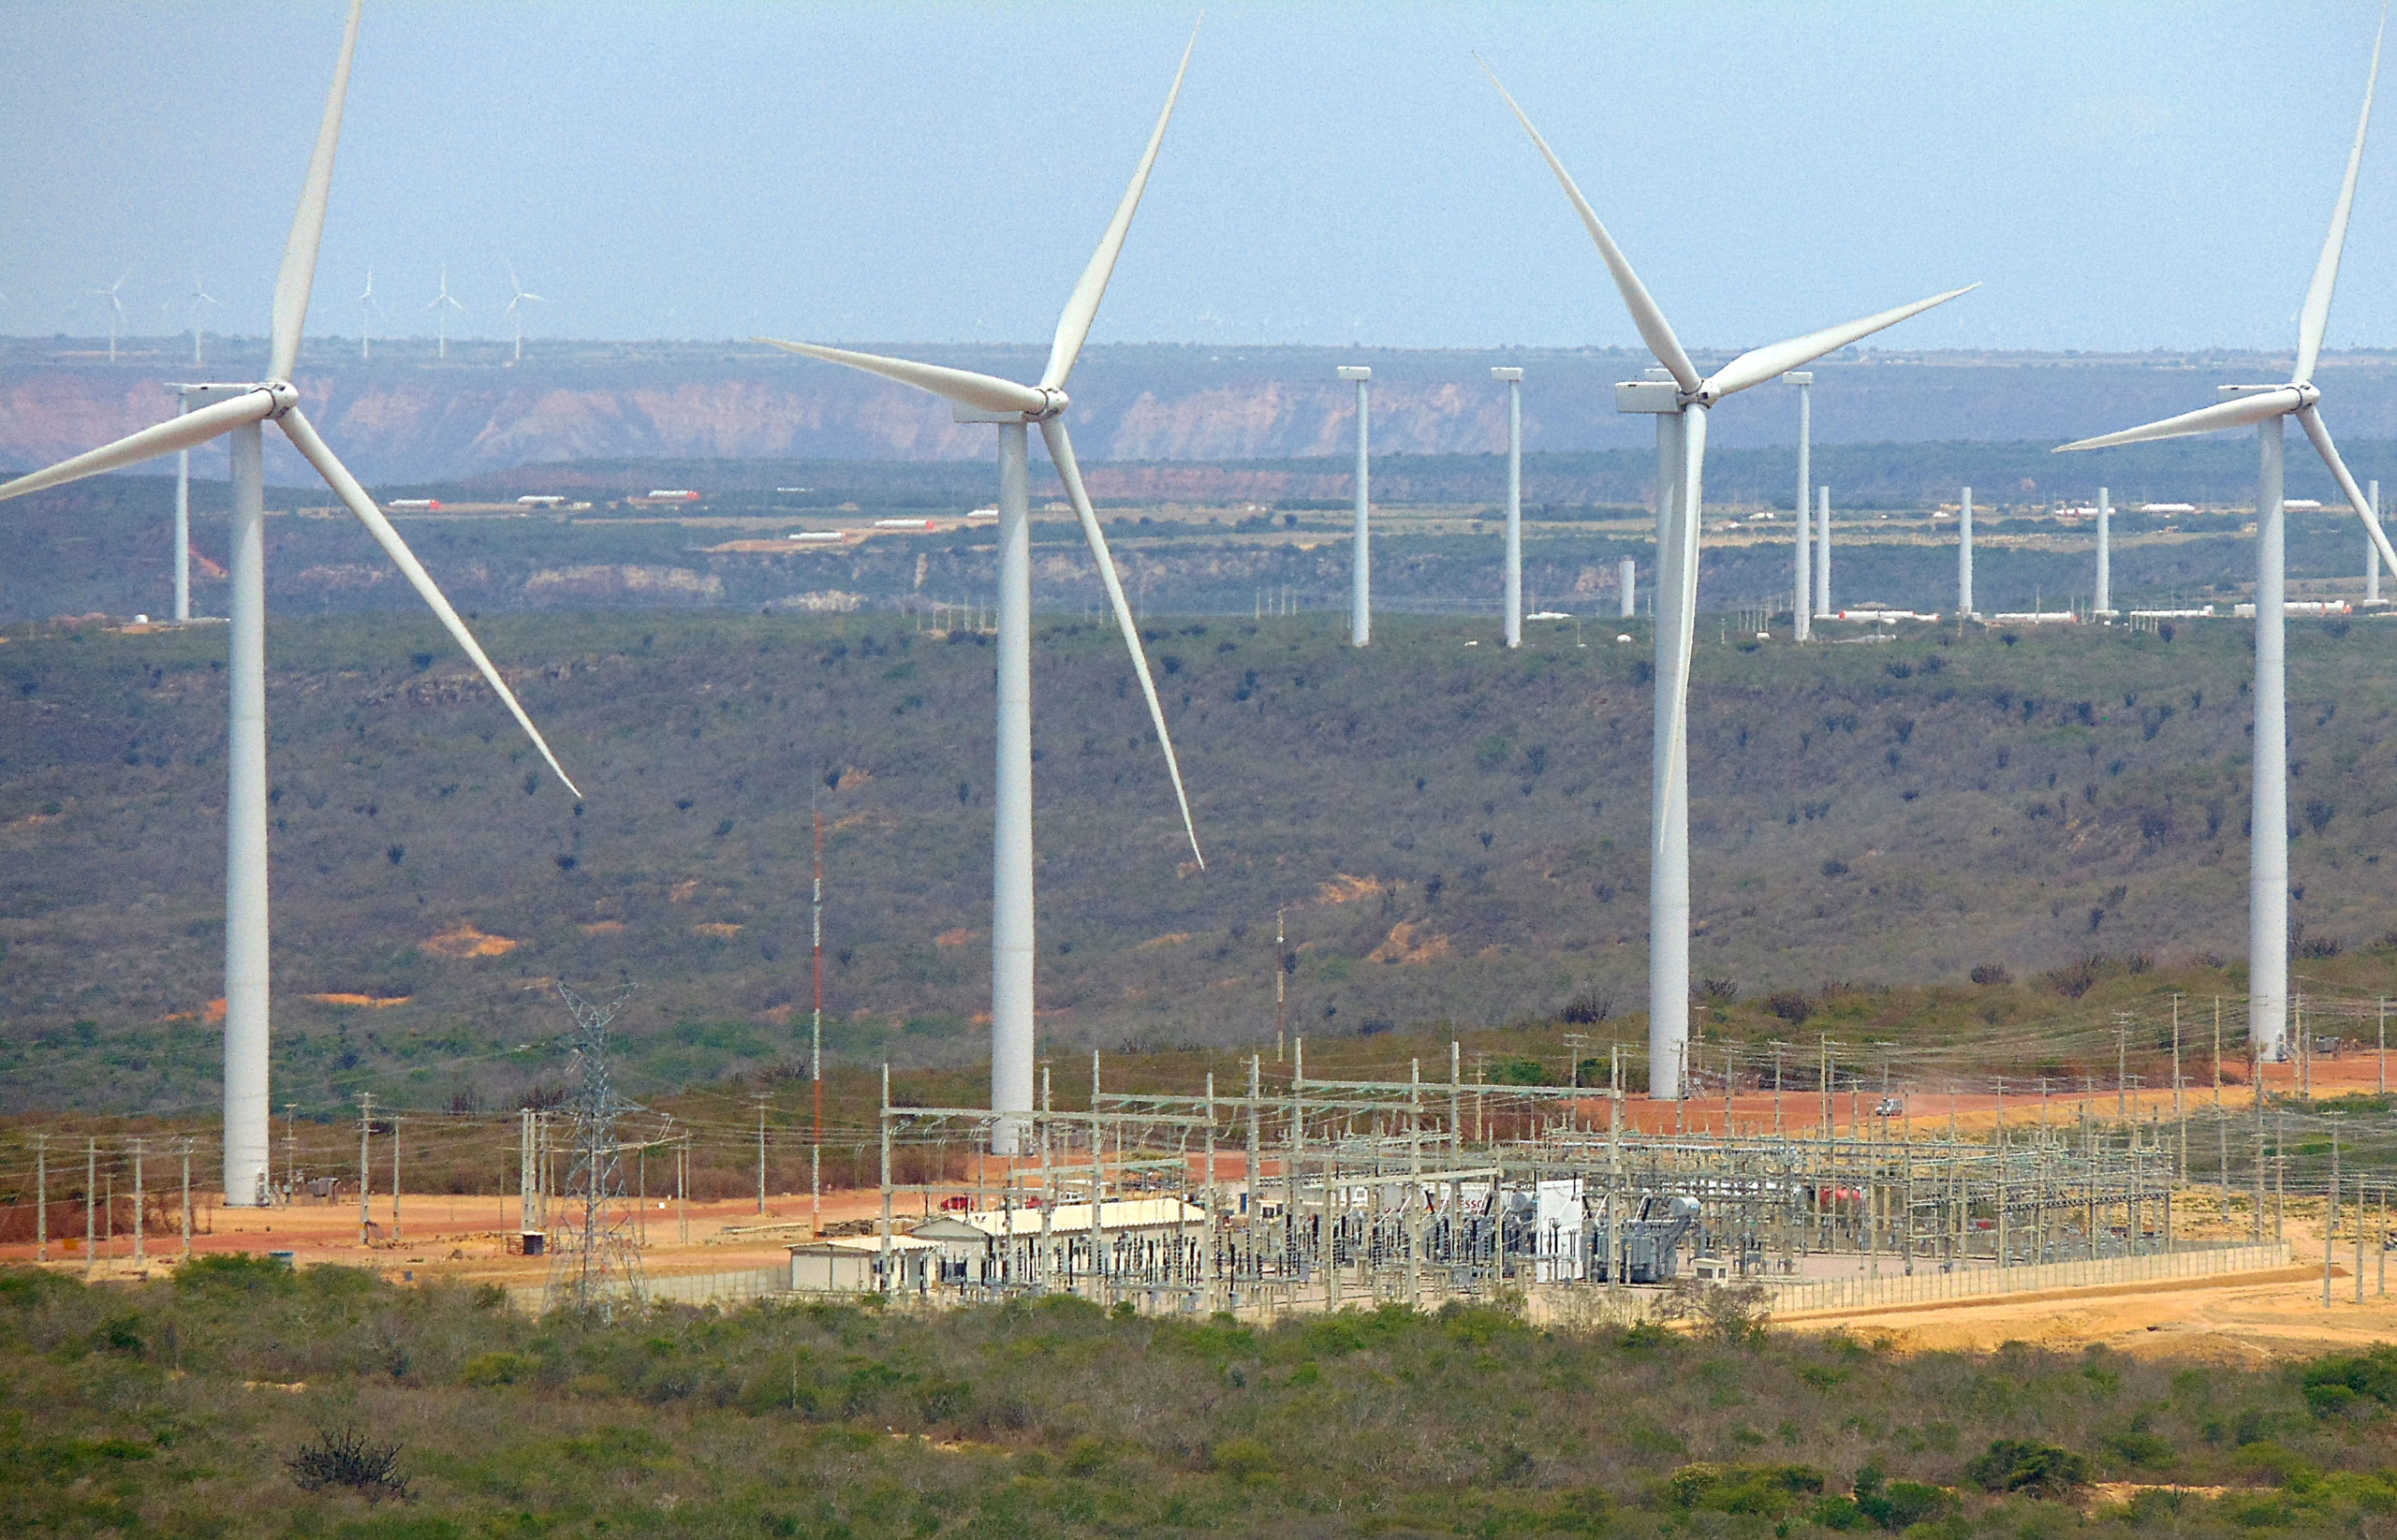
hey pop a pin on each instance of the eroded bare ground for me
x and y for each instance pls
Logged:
(2245, 1319)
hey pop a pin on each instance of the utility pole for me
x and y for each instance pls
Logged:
(761, 1147)
(91, 1186)
(395, 1180)
(290, 1152)
(815, 1051)
(2331, 1218)
(187, 1198)
(137, 1225)
(365, 1167)
(528, 1174)
(2180, 1109)
(2121, 1067)
(41, 1197)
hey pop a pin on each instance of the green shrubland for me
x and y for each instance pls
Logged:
(244, 1398)
(1939, 839)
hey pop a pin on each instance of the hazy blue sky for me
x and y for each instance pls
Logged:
(2118, 175)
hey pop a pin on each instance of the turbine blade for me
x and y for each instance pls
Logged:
(982, 392)
(1061, 450)
(298, 274)
(2316, 319)
(1655, 329)
(1081, 306)
(2238, 412)
(186, 431)
(302, 435)
(1759, 364)
(2319, 431)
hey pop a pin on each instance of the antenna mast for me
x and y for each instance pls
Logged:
(1281, 1024)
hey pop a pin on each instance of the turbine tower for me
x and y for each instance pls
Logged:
(1964, 610)
(1013, 408)
(2372, 552)
(1680, 403)
(1822, 554)
(199, 297)
(441, 305)
(1514, 378)
(238, 412)
(2103, 590)
(517, 294)
(1802, 613)
(2267, 410)
(1360, 554)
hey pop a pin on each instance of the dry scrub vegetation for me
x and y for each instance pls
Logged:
(191, 1408)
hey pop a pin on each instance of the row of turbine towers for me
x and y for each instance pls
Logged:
(1810, 585)
(1680, 400)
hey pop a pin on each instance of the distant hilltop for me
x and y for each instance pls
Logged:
(408, 416)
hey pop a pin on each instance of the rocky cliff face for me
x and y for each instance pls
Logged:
(408, 417)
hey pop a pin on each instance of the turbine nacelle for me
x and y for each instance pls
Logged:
(2303, 393)
(1052, 405)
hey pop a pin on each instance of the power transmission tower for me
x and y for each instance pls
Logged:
(596, 1265)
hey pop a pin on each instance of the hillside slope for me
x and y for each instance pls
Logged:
(1455, 831)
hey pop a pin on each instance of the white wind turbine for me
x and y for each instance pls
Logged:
(441, 305)
(116, 308)
(199, 298)
(2266, 407)
(237, 413)
(367, 310)
(518, 295)
(982, 398)
(1680, 399)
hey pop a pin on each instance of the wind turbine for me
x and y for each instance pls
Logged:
(441, 305)
(1013, 407)
(1680, 399)
(2267, 408)
(199, 297)
(116, 307)
(367, 310)
(237, 412)
(519, 293)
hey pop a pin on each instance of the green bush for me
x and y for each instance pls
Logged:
(2337, 1383)
(489, 1369)
(2031, 1467)
(1769, 1491)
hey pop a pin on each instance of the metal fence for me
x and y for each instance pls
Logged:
(736, 1286)
(1974, 1282)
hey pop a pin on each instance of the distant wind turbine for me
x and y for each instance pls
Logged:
(1682, 401)
(517, 297)
(2267, 407)
(200, 299)
(1013, 407)
(441, 305)
(116, 308)
(237, 412)
(367, 310)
